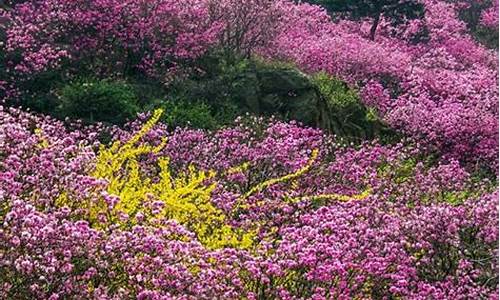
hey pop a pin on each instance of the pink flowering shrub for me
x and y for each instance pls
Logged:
(442, 90)
(417, 231)
(107, 37)
(489, 17)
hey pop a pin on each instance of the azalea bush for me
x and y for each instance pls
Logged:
(438, 89)
(107, 37)
(263, 208)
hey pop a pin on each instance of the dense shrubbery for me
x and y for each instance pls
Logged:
(292, 156)
(252, 212)
(98, 101)
(270, 89)
(427, 77)
(198, 114)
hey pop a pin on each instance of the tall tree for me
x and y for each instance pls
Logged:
(396, 11)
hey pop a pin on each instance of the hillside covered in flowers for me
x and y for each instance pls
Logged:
(249, 149)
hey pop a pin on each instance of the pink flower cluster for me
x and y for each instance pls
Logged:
(429, 79)
(426, 230)
(118, 35)
(489, 17)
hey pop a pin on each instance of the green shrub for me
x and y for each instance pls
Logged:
(277, 89)
(98, 101)
(338, 93)
(346, 115)
(38, 93)
(486, 36)
(251, 86)
(197, 114)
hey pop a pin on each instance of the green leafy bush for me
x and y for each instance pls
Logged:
(98, 101)
(345, 115)
(197, 114)
(275, 88)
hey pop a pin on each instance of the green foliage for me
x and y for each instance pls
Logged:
(37, 93)
(337, 92)
(197, 114)
(486, 36)
(346, 116)
(251, 86)
(98, 101)
(212, 87)
(269, 89)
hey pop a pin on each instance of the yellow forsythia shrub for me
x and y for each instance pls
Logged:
(185, 198)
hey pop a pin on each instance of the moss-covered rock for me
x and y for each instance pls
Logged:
(281, 90)
(278, 90)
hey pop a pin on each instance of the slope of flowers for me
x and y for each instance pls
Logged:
(429, 79)
(315, 219)
(263, 209)
(442, 90)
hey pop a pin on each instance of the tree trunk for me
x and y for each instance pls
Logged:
(373, 30)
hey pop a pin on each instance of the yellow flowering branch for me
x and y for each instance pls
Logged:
(334, 196)
(294, 176)
(185, 198)
(285, 178)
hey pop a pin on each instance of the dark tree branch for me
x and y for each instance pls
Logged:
(373, 30)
